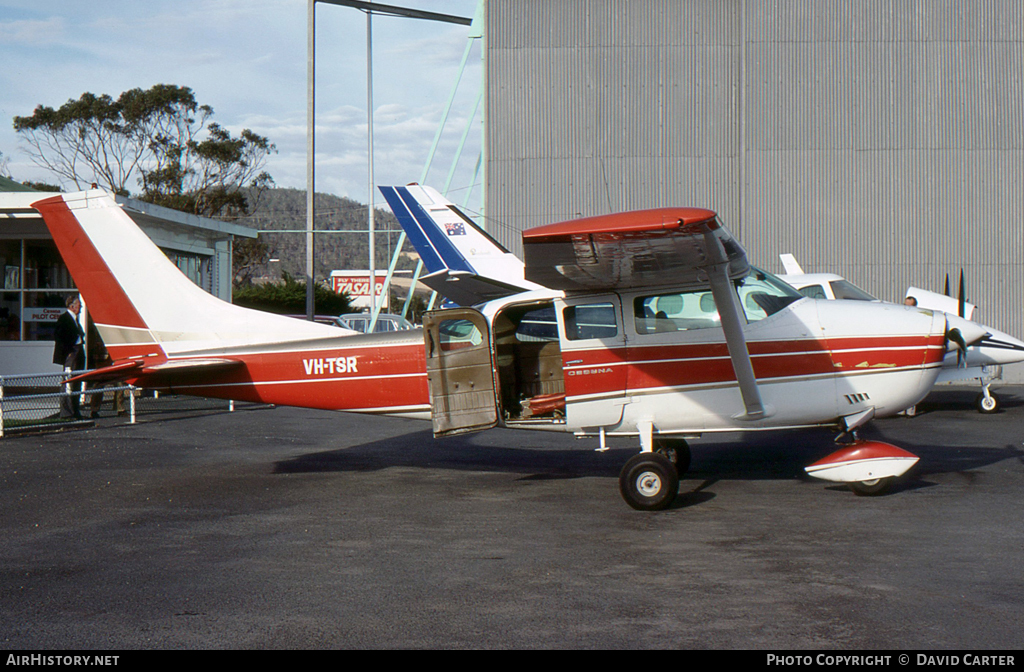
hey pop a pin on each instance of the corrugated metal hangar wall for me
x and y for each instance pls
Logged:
(879, 139)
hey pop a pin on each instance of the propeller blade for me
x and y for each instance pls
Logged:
(963, 334)
(946, 290)
(954, 336)
(961, 299)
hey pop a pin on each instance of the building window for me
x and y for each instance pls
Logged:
(36, 284)
(196, 268)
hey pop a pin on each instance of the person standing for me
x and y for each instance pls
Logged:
(68, 351)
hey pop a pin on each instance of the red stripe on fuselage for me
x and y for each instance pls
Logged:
(348, 379)
(638, 368)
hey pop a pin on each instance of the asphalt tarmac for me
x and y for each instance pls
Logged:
(288, 528)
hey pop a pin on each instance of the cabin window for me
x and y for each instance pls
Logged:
(538, 325)
(590, 320)
(680, 311)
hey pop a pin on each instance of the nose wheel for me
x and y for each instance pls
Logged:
(986, 402)
(871, 487)
(649, 482)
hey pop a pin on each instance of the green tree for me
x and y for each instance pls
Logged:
(289, 298)
(162, 138)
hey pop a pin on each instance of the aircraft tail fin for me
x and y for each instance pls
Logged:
(790, 264)
(142, 304)
(454, 249)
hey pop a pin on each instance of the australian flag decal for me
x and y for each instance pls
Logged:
(455, 229)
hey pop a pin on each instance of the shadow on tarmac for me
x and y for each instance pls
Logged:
(542, 456)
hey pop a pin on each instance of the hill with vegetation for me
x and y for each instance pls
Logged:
(340, 240)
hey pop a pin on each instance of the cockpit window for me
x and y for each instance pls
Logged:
(847, 290)
(813, 292)
(762, 294)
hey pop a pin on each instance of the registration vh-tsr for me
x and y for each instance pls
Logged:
(648, 324)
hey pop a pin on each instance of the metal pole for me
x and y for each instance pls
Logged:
(369, 197)
(310, 153)
(462, 143)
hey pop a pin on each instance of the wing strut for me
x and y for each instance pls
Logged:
(729, 310)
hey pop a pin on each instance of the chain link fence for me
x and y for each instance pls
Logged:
(40, 402)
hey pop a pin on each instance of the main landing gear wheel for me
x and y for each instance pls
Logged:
(649, 482)
(676, 451)
(986, 404)
(875, 486)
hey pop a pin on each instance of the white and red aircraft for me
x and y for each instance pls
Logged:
(981, 361)
(651, 325)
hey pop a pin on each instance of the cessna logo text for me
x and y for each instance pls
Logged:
(589, 372)
(319, 367)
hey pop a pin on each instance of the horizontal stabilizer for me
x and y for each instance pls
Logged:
(122, 370)
(468, 289)
(189, 365)
(167, 372)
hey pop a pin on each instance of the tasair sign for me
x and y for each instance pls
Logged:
(357, 285)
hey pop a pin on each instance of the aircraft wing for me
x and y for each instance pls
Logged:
(649, 248)
(936, 301)
(633, 249)
(463, 262)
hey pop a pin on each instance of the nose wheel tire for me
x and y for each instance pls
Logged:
(987, 404)
(875, 486)
(649, 482)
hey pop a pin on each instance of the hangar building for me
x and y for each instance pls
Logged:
(879, 139)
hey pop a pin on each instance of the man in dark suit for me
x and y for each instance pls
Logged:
(69, 352)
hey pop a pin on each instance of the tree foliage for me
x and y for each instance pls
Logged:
(289, 298)
(161, 137)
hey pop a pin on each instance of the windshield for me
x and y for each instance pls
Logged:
(762, 294)
(843, 289)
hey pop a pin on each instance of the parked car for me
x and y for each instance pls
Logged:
(385, 322)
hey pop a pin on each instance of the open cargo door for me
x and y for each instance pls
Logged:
(460, 372)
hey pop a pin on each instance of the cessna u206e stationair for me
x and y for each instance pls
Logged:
(594, 354)
(469, 266)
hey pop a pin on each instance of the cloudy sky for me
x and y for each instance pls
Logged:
(247, 60)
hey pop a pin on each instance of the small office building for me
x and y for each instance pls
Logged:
(36, 282)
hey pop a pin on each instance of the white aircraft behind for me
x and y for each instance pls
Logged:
(982, 361)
